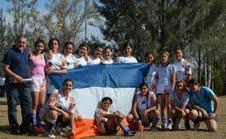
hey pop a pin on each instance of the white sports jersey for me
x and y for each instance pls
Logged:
(56, 61)
(71, 61)
(164, 78)
(183, 68)
(68, 104)
(149, 79)
(179, 102)
(110, 61)
(143, 102)
(93, 61)
(127, 59)
(80, 61)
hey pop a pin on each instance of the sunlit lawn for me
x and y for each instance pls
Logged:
(202, 134)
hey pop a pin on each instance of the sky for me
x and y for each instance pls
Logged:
(95, 31)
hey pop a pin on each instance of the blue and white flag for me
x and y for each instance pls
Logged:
(93, 82)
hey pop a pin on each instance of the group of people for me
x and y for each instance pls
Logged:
(168, 92)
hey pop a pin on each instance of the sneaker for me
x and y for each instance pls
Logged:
(196, 126)
(51, 136)
(169, 124)
(129, 133)
(164, 126)
(14, 129)
(38, 130)
(154, 129)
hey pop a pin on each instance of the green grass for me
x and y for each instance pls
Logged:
(202, 134)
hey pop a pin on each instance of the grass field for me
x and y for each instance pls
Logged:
(201, 134)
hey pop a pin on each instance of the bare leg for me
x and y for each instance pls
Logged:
(211, 125)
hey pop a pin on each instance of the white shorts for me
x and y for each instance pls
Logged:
(37, 83)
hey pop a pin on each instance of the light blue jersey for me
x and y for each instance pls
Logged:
(203, 99)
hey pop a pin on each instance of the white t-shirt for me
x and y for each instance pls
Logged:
(110, 61)
(123, 59)
(179, 102)
(93, 61)
(68, 104)
(143, 102)
(80, 61)
(183, 68)
(56, 61)
(71, 61)
(149, 79)
(164, 78)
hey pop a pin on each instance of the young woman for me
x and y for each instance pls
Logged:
(165, 76)
(68, 55)
(37, 66)
(182, 66)
(152, 68)
(60, 107)
(127, 51)
(56, 63)
(108, 122)
(178, 100)
(82, 55)
(107, 56)
(96, 58)
(205, 104)
(144, 108)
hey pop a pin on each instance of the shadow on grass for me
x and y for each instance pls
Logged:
(3, 102)
(4, 129)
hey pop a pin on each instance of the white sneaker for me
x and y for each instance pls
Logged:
(52, 136)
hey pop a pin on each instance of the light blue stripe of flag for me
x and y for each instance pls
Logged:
(113, 75)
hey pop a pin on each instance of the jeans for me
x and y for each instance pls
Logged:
(19, 94)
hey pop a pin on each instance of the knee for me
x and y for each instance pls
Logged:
(173, 113)
(53, 115)
(34, 106)
(129, 117)
(157, 112)
(193, 115)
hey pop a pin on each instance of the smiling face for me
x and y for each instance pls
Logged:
(127, 51)
(106, 105)
(21, 43)
(194, 87)
(68, 49)
(149, 58)
(164, 58)
(82, 51)
(54, 45)
(107, 54)
(143, 90)
(39, 48)
(180, 86)
(68, 86)
(178, 54)
(98, 52)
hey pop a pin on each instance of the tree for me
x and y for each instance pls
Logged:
(66, 17)
(3, 35)
(23, 14)
(158, 24)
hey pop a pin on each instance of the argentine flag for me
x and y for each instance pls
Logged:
(93, 82)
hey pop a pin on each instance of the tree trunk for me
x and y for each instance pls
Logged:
(209, 75)
(199, 72)
(205, 70)
(224, 93)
